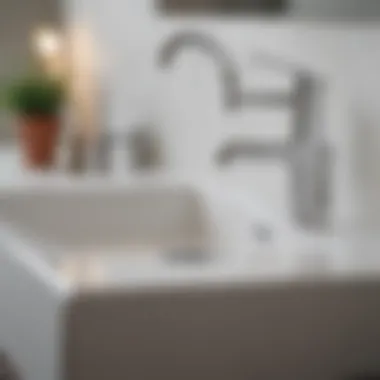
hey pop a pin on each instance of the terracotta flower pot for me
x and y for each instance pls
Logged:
(38, 139)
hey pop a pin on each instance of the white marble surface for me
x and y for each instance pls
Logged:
(338, 260)
(13, 172)
(342, 255)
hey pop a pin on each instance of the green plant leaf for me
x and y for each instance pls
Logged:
(33, 95)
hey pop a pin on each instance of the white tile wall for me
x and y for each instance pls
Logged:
(184, 103)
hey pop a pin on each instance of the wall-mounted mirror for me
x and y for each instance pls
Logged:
(351, 10)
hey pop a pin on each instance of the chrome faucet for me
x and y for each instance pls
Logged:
(206, 44)
(233, 94)
(307, 153)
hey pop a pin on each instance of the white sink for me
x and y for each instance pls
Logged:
(84, 218)
(123, 231)
(88, 291)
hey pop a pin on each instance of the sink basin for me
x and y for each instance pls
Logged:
(88, 219)
(141, 222)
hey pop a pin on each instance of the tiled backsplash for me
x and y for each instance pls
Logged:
(184, 104)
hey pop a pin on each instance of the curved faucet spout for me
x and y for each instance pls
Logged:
(208, 45)
(234, 95)
(203, 42)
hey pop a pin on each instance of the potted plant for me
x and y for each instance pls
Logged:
(37, 101)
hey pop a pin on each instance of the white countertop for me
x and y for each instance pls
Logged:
(14, 175)
(339, 261)
(345, 257)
